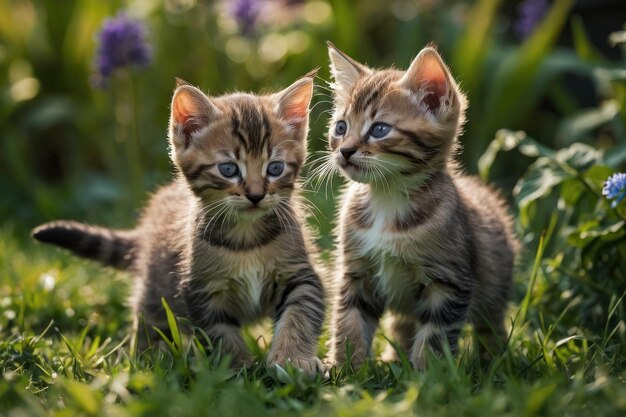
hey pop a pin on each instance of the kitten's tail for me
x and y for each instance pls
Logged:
(116, 248)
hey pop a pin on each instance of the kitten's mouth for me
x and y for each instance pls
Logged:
(351, 166)
(254, 209)
(355, 171)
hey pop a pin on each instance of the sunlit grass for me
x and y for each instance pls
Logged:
(64, 350)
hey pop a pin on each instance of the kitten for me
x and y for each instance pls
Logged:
(415, 238)
(224, 243)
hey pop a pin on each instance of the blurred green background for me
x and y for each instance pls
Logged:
(72, 148)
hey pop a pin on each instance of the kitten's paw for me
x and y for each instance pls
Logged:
(329, 363)
(310, 365)
(390, 354)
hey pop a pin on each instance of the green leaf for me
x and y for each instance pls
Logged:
(616, 156)
(521, 314)
(571, 190)
(167, 341)
(542, 176)
(506, 140)
(578, 156)
(173, 325)
(581, 124)
(83, 396)
(282, 375)
(585, 234)
(584, 48)
(597, 175)
(396, 370)
(538, 397)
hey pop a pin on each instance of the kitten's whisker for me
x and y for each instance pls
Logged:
(318, 103)
(320, 172)
(213, 222)
(305, 205)
(225, 220)
(276, 211)
(326, 87)
(291, 225)
(384, 182)
(206, 210)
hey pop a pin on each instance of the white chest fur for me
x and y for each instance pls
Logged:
(239, 278)
(393, 257)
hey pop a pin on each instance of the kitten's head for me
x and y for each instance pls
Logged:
(241, 152)
(391, 124)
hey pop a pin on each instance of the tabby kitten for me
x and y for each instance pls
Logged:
(433, 247)
(224, 243)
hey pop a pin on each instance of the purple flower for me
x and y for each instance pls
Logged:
(530, 13)
(615, 188)
(246, 13)
(122, 44)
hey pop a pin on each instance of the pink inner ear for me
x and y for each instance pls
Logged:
(433, 79)
(184, 108)
(433, 75)
(295, 110)
(185, 112)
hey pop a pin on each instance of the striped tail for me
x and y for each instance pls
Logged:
(116, 248)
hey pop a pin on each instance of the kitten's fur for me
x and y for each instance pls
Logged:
(205, 245)
(431, 246)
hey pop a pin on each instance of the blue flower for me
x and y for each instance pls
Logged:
(122, 44)
(530, 14)
(615, 188)
(246, 13)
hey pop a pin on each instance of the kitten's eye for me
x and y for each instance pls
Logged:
(275, 168)
(340, 128)
(228, 169)
(380, 130)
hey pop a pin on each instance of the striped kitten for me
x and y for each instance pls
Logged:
(415, 238)
(224, 243)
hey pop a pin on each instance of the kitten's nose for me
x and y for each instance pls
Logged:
(347, 152)
(255, 198)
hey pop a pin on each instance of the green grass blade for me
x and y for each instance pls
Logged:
(523, 311)
(173, 325)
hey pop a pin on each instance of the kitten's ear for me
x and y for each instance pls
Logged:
(429, 74)
(345, 71)
(191, 111)
(292, 104)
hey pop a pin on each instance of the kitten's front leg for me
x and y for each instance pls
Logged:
(216, 316)
(401, 331)
(299, 316)
(357, 311)
(443, 309)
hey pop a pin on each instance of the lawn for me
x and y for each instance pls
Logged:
(83, 140)
(64, 352)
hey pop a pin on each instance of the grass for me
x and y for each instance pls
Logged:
(64, 351)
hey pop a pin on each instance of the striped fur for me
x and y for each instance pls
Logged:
(217, 257)
(416, 239)
(114, 248)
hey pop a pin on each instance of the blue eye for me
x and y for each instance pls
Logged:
(275, 168)
(228, 169)
(380, 130)
(340, 128)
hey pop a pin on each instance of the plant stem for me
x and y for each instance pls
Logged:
(127, 117)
